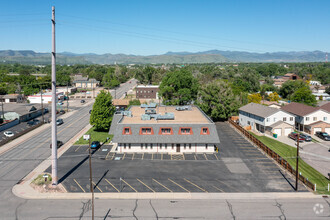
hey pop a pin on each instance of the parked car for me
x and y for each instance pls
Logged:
(95, 144)
(46, 110)
(306, 137)
(33, 122)
(294, 136)
(59, 121)
(323, 135)
(90, 111)
(59, 144)
(82, 101)
(8, 133)
(60, 103)
(62, 112)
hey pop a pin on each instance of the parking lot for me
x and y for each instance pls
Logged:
(238, 167)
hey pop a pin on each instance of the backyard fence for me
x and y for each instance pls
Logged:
(272, 154)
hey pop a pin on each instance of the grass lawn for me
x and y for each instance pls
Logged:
(289, 153)
(100, 136)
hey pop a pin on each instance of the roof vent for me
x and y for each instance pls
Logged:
(183, 108)
(150, 105)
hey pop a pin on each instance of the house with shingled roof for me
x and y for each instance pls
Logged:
(266, 119)
(308, 118)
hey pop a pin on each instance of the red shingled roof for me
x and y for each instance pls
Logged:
(325, 107)
(299, 109)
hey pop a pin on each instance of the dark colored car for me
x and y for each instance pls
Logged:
(306, 137)
(33, 122)
(46, 110)
(95, 144)
(294, 136)
(59, 144)
(59, 121)
(62, 112)
(323, 135)
(82, 101)
(90, 111)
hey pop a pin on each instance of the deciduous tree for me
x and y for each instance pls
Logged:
(102, 113)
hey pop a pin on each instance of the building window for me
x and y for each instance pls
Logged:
(291, 118)
(205, 131)
(141, 146)
(184, 146)
(129, 146)
(284, 118)
(127, 130)
(307, 118)
(172, 146)
(165, 146)
(144, 131)
(189, 146)
(165, 131)
(146, 146)
(151, 146)
(185, 131)
(325, 118)
(206, 146)
(160, 146)
(267, 120)
(274, 119)
(314, 118)
(124, 146)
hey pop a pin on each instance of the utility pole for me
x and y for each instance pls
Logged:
(54, 101)
(90, 175)
(67, 97)
(297, 164)
(42, 106)
(3, 114)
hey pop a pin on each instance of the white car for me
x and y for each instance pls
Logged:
(8, 133)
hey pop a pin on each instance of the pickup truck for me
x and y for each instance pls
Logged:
(294, 136)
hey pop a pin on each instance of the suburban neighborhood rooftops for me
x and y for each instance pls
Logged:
(193, 116)
(317, 122)
(279, 123)
(325, 107)
(259, 110)
(299, 109)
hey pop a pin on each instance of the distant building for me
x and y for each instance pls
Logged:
(46, 97)
(169, 129)
(17, 98)
(279, 80)
(66, 90)
(84, 82)
(147, 91)
(120, 103)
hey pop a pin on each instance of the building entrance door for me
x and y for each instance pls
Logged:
(178, 148)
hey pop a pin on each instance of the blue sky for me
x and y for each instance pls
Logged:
(144, 27)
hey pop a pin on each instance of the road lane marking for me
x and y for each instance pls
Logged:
(162, 185)
(152, 156)
(195, 185)
(171, 156)
(216, 156)
(226, 185)
(205, 157)
(124, 156)
(183, 157)
(161, 156)
(79, 185)
(113, 155)
(106, 157)
(178, 185)
(142, 156)
(129, 185)
(97, 186)
(195, 156)
(217, 188)
(77, 148)
(111, 185)
(133, 156)
(145, 185)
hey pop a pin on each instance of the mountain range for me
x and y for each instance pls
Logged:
(211, 56)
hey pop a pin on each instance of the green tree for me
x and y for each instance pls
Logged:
(304, 95)
(102, 113)
(178, 87)
(218, 101)
(274, 97)
(289, 87)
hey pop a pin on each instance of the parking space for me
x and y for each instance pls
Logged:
(238, 167)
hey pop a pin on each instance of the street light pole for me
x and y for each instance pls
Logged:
(90, 176)
(297, 163)
(67, 97)
(42, 106)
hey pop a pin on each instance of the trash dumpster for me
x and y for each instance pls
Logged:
(275, 135)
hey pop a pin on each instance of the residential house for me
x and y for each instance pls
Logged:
(85, 82)
(279, 80)
(265, 119)
(308, 118)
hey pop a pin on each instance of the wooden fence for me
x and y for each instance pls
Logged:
(272, 154)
